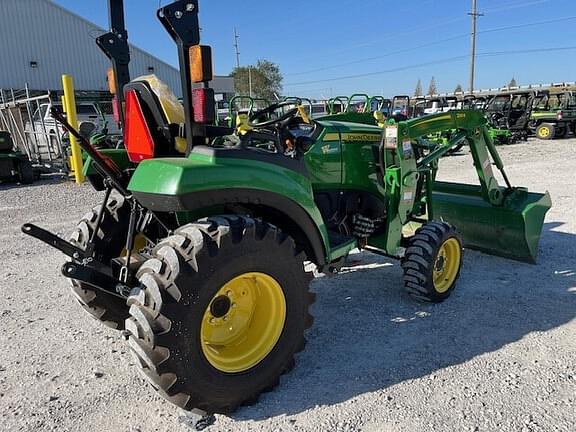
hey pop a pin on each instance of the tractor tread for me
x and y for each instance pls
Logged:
(111, 310)
(418, 262)
(152, 325)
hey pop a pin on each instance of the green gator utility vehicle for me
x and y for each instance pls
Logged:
(199, 254)
(14, 165)
(553, 115)
(508, 115)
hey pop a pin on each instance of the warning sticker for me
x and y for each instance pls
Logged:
(407, 149)
(391, 137)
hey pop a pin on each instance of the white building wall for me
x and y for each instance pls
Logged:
(60, 42)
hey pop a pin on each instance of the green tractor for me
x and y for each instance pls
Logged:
(553, 115)
(201, 249)
(14, 165)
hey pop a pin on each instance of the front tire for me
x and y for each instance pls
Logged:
(432, 262)
(221, 311)
(546, 131)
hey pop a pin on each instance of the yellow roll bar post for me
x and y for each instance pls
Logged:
(70, 110)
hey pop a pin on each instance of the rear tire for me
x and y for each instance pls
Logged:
(561, 132)
(26, 172)
(432, 262)
(109, 243)
(183, 285)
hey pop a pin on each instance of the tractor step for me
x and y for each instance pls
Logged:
(340, 245)
(338, 239)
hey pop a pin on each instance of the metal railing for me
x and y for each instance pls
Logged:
(25, 116)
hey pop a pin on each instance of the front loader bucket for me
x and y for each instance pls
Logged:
(511, 230)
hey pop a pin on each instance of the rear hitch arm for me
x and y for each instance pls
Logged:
(96, 278)
(56, 242)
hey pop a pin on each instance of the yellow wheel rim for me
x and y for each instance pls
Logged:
(446, 265)
(243, 322)
(544, 132)
(139, 244)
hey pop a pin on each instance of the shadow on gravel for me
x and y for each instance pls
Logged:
(368, 335)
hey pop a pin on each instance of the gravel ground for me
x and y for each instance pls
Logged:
(499, 355)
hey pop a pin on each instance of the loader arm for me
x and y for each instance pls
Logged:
(500, 220)
(472, 126)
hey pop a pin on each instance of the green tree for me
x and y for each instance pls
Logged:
(432, 90)
(513, 83)
(418, 89)
(458, 89)
(265, 76)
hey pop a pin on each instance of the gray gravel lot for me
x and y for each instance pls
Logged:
(499, 355)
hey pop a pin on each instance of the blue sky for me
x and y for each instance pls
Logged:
(391, 44)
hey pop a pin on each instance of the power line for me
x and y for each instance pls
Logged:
(378, 57)
(431, 63)
(515, 5)
(427, 45)
(528, 51)
(441, 24)
(435, 62)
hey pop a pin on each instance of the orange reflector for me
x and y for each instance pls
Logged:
(200, 57)
(116, 109)
(203, 105)
(137, 138)
(111, 80)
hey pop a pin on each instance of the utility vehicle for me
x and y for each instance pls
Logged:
(553, 115)
(199, 253)
(509, 115)
(14, 165)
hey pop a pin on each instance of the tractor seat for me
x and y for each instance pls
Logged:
(163, 112)
(6, 144)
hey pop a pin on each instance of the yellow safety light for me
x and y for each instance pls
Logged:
(111, 81)
(200, 57)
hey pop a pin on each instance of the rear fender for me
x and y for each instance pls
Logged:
(201, 182)
(118, 156)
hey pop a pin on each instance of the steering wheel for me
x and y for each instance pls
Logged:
(269, 110)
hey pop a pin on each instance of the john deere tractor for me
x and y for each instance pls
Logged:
(199, 247)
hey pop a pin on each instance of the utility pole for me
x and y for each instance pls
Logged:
(236, 37)
(250, 80)
(474, 14)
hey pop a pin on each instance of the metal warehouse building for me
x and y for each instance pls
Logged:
(40, 40)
